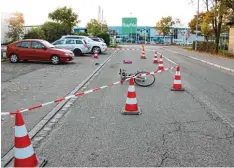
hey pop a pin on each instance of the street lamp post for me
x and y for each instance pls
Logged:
(197, 25)
(145, 34)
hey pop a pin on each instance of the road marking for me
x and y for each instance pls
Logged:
(209, 63)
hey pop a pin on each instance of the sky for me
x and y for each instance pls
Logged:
(148, 12)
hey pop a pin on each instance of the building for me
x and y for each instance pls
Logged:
(140, 33)
(131, 32)
(4, 25)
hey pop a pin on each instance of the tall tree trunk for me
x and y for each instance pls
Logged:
(216, 44)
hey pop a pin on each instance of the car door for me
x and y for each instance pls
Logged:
(23, 50)
(40, 52)
(70, 44)
(59, 44)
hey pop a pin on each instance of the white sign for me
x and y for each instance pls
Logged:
(129, 25)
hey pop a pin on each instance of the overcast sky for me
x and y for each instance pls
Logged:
(148, 12)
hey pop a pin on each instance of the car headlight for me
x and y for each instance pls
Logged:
(69, 54)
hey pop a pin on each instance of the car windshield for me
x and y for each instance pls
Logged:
(47, 44)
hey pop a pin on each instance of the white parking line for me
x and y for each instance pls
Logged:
(209, 63)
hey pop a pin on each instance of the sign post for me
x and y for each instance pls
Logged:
(129, 26)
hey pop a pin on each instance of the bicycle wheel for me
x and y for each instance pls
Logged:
(144, 81)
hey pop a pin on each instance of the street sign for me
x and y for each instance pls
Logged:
(129, 25)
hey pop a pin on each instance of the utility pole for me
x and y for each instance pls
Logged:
(197, 25)
(101, 19)
(145, 34)
(131, 27)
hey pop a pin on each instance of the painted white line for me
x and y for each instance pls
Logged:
(209, 63)
(164, 57)
(169, 59)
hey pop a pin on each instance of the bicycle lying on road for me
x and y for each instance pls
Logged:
(143, 81)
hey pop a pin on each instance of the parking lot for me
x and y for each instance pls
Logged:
(28, 83)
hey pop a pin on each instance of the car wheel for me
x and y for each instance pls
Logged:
(55, 59)
(14, 58)
(96, 48)
(77, 52)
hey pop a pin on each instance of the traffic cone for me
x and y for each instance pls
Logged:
(131, 107)
(160, 66)
(143, 54)
(96, 57)
(155, 60)
(24, 155)
(177, 86)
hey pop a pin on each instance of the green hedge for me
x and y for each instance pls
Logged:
(105, 36)
(205, 46)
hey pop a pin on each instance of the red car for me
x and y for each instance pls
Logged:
(37, 50)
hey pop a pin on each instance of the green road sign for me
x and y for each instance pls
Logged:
(129, 25)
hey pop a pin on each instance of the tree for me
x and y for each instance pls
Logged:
(165, 24)
(105, 36)
(81, 34)
(16, 25)
(192, 23)
(53, 30)
(94, 27)
(217, 9)
(204, 24)
(65, 16)
(35, 33)
(220, 13)
(230, 15)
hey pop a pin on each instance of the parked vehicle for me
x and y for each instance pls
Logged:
(77, 46)
(99, 46)
(37, 50)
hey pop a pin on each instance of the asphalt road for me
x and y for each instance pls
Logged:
(30, 83)
(175, 128)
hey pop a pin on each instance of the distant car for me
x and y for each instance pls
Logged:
(77, 46)
(37, 50)
(98, 46)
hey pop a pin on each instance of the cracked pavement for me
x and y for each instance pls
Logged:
(175, 128)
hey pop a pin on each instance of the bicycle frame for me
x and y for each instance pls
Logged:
(124, 75)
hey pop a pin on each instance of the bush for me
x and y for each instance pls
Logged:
(54, 31)
(105, 36)
(205, 46)
(35, 33)
(81, 34)
(114, 46)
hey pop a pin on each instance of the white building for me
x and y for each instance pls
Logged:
(4, 25)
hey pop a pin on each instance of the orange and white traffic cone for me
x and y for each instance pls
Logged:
(177, 85)
(96, 57)
(24, 155)
(143, 54)
(131, 106)
(155, 60)
(160, 66)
